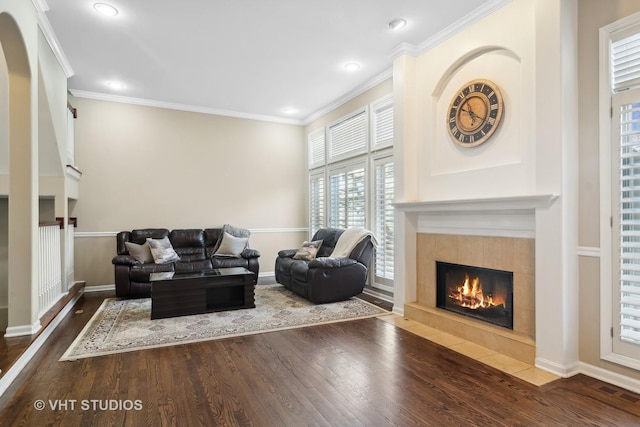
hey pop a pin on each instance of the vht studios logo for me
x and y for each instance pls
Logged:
(88, 405)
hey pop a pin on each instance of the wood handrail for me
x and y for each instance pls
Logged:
(57, 222)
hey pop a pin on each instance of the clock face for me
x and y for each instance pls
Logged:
(474, 113)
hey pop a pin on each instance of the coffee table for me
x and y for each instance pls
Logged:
(183, 293)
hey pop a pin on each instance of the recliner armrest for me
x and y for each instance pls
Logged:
(328, 262)
(124, 259)
(250, 253)
(287, 253)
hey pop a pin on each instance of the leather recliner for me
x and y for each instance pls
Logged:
(326, 279)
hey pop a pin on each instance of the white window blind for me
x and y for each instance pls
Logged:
(316, 148)
(348, 137)
(382, 118)
(316, 201)
(625, 62)
(347, 198)
(629, 222)
(384, 218)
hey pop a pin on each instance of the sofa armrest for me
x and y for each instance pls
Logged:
(250, 253)
(124, 260)
(328, 262)
(287, 253)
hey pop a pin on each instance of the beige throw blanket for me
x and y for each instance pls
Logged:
(349, 240)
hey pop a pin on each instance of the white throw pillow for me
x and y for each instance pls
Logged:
(231, 246)
(162, 250)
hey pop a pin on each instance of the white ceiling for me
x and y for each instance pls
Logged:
(245, 58)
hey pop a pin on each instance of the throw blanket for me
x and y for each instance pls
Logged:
(349, 239)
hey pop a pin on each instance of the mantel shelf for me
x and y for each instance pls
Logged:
(515, 203)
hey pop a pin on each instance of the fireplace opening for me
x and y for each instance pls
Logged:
(477, 292)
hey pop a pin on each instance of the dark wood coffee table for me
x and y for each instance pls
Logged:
(180, 294)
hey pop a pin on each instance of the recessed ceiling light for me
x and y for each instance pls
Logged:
(352, 66)
(115, 85)
(105, 9)
(289, 110)
(396, 24)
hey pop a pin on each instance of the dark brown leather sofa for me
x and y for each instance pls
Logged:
(194, 246)
(325, 279)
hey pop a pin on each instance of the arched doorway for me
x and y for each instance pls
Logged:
(21, 221)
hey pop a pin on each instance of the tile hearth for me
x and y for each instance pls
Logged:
(506, 364)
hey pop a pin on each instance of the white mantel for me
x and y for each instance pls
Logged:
(498, 216)
(515, 203)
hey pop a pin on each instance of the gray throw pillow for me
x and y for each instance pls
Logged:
(234, 231)
(231, 246)
(162, 250)
(141, 253)
(308, 250)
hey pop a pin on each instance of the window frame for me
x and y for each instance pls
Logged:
(609, 34)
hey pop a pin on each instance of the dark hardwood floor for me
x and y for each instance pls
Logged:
(359, 373)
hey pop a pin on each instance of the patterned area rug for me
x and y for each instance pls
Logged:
(126, 325)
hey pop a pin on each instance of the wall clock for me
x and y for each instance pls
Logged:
(475, 112)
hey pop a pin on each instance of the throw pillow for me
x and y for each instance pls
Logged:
(308, 250)
(234, 231)
(162, 250)
(142, 253)
(231, 246)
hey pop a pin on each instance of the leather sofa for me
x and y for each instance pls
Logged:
(326, 279)
(195, 247)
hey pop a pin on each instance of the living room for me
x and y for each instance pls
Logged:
(539, 176)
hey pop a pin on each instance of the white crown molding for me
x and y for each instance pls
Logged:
(41, 5)
(181, 107)
(453, 29)
(45, 26)
(387, 74)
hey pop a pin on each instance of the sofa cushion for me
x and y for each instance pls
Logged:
(141, 236)
(140, 272)
(223, 262)
(200, 265)
(191, 254)
(308, 250)
(142, 253)
(189, 238)
(329, 237)
(231, 246)
(162, 250)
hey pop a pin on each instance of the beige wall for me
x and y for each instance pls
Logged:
(153, 167)
(593, 14)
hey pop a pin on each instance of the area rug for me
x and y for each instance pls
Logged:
(121, 325)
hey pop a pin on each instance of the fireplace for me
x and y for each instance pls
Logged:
(476, 292)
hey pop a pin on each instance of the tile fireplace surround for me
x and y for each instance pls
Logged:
(501, 253)
(491, 233)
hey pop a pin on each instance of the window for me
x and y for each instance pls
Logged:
(316, 201)
(626, 222)
(348, 136)
(355, 188)
(620, 190)
(316, 148)
(347, 201)
(384, 219)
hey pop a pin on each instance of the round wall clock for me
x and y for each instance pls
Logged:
(474, 113)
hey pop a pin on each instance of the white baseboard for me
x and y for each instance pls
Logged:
(557, 369)
(100, 288)
(610, 377)
(22, 330)
(31, 351)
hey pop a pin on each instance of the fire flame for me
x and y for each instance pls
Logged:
(470, 295)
